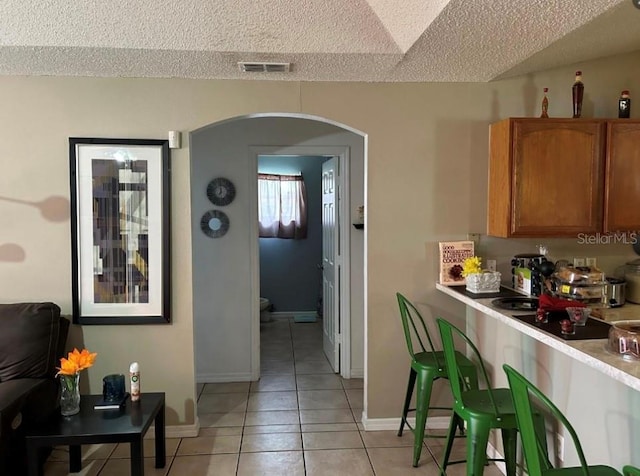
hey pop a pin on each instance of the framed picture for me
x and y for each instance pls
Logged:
(120, 230)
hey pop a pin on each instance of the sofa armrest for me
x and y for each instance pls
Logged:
(31, 334)
(14, 394)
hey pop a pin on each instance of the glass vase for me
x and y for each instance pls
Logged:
(69, 394)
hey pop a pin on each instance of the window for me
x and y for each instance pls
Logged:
(282, 206)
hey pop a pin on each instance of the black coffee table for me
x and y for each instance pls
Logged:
(126, 425)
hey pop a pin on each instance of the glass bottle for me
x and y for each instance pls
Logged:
(624, 105)
(577, 93)
(545, 104)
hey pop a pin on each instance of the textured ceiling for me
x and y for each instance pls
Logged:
(325, 40)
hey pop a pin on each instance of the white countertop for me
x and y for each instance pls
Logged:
(591, 352)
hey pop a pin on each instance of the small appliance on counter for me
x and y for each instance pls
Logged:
(528, 272)
(615, 291)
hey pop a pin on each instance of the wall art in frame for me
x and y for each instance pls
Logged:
(120, 230)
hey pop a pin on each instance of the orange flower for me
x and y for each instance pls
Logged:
(76, 361)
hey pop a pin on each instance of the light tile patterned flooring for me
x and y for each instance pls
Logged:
(299, 419)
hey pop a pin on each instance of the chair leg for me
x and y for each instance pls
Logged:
(407, 400)
(477, 439)
(425, 383)
(509, 443)
(455, 422)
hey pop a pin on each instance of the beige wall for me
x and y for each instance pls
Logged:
(39, 115)
(426, 181)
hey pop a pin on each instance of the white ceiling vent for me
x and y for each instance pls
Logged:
(254, 67)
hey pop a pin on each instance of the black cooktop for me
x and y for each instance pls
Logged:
(594, 328)
(516, 303)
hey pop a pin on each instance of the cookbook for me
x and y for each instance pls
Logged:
(452, 254)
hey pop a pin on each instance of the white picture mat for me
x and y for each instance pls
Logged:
(85, 153)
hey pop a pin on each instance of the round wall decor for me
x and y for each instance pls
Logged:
(221, 191)
(214, 223)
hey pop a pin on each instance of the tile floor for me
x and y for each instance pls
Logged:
(299, 419)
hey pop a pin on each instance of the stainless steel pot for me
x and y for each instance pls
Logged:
(615, 292)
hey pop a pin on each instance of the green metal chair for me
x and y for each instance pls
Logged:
(481, 410)
(427, 365)
(534, 452)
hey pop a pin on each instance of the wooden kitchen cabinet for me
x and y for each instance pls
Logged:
(622, 176)
(546, 177)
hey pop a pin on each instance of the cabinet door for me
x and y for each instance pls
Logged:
(557, 177)
(622, 186)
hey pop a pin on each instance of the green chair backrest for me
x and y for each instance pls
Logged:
(409, 315)
(631, 471)
(521, 392)
(457, 380)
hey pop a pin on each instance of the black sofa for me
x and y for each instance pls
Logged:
(32, 340)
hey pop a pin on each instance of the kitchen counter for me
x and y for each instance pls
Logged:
(590, 352)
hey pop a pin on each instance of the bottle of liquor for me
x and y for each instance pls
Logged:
(577, 93)
(545, 104)
(624, 105)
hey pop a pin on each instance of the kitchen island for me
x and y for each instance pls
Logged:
(598, 392)
(590, 352)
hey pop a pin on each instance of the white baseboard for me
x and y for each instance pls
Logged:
(291, 314)
(224, 377)
(379, 424)
(357, 373)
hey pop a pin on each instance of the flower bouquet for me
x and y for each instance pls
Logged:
(480, 280)
(69, 373)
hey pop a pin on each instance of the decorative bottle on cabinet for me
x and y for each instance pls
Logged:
(545, 104)
(577, 93)
(624, 105)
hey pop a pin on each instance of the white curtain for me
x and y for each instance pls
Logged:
(282, 206)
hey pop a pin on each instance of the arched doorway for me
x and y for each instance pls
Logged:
(225, 270)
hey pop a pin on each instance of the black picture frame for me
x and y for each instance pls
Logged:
(120, 230)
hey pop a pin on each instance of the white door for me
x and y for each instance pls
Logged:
(330, 266)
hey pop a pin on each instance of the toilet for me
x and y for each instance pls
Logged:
(265, 310)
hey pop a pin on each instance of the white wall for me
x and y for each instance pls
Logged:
(222, 268)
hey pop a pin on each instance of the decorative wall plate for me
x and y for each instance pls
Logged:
(221, 191)
(214, 223)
